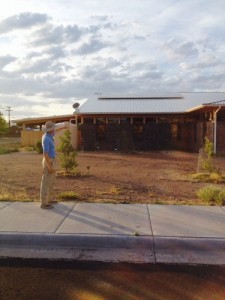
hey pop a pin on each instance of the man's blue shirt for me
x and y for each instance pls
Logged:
(48, 145)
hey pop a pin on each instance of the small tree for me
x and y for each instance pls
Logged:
(207, 162)
(3, 125)
(67, 156)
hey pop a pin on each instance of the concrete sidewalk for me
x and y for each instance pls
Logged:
(113, 232)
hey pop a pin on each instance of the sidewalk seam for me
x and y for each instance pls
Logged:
(222, 208)
(65, 217)
(7, 205)
(153, 239)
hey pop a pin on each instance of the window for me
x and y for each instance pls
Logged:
(137, 130)
(125, 121)
(138, 120)
(150, 120)
(101, 128)
(113, 120)
(88, 121)
(174, 131)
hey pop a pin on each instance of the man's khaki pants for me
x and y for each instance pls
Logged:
(47, 182)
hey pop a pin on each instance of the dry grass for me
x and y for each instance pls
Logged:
(6, 149)
(68, 195)
(112, 191)
(208, 177)
(7, 194)
(162, 178)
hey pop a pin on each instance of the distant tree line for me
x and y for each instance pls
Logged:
(3, 125)
(5, 130)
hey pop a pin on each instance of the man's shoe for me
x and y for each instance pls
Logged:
(46, 206)
(53, 201)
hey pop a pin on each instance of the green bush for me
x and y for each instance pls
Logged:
(67, 155)
(38, 148)
(215, 177)
(4, 150)
(212, 195)
(207, 162)
(68, 195)
(200, 177)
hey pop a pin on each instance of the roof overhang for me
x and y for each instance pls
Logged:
(206, 107)
(43, 120)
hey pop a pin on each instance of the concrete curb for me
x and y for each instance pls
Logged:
(75, 241)
(114, 248)
(209, 251)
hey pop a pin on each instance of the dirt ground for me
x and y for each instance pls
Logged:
(97, 281)
(152, 177)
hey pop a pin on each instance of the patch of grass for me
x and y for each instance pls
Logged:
(200, 177)
(29, 148)
(112, 191)
(9, 146)
(71, 174)
(216, 177)
(6, 195)
(212, 195)
(213, 177)
(68, 195)
(158, 201)
(115, 191)
(5, 150)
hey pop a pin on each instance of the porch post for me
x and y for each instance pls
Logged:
(215, 129)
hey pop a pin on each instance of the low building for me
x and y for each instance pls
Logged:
(146, 123)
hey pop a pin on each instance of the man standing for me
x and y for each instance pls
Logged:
(48, 164)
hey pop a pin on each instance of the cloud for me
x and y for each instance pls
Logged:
(204, 61)
(22, 21)
(94, 45)
(151, 75)
(100, 18)
(56, 35)
(48, 35)
(40, 66)
(5, 60)
(180, 49)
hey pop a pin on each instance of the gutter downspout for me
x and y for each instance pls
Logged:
(215, 128)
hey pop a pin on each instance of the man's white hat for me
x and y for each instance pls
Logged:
(49, 126)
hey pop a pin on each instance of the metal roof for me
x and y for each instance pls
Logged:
(184, 102)
(141, 105)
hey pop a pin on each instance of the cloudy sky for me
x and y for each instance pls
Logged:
(54, 52)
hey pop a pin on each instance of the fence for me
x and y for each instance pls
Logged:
(30, 138)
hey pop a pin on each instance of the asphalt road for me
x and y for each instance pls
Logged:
(31, 280)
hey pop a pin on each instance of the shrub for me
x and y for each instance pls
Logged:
(215, 177)
(67, 156)
(4, 150)
(68, 195)
(38, 148)
(212, 195)
(207, 162)
(200, 176)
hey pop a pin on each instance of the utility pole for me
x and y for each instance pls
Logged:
(9, 111)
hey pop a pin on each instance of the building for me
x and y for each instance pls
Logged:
(146, 123)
